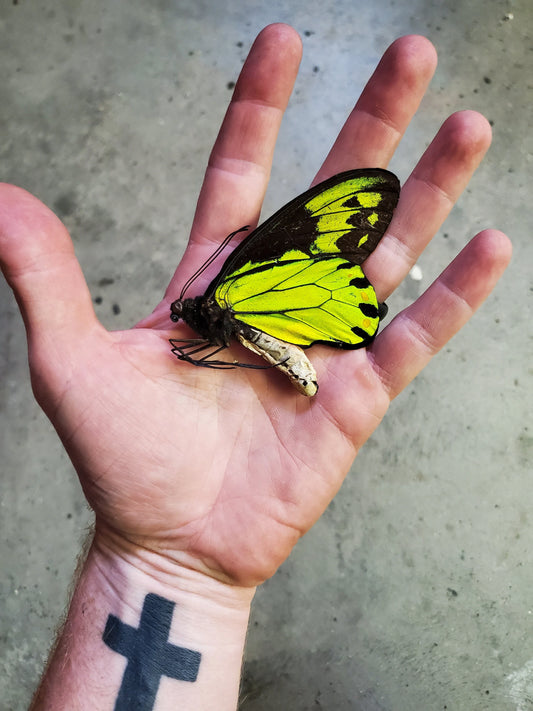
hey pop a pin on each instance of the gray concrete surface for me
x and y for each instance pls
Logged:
(415, 590)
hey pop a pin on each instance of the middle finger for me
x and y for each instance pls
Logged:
(387, 104)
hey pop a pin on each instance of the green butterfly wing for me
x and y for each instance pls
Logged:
(298, 277)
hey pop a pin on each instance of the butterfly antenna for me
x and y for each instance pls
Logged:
(211, 259)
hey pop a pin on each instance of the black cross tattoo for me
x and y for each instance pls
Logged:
(149, 653)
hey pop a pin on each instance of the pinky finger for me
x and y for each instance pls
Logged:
(409, 342)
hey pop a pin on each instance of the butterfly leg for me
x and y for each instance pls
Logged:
(193, 346)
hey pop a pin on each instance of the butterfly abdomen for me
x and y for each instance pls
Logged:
(287, 357)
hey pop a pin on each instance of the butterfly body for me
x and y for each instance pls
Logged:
(217, 326)
(297, 280)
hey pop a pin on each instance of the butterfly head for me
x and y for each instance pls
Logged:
(176, 310)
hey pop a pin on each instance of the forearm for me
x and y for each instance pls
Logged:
(138, 630)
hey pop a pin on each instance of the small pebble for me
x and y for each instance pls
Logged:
(416, 273)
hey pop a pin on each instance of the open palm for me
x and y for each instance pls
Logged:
(225, 470)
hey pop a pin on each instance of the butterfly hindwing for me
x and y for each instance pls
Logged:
(297, 276)
(307, 301)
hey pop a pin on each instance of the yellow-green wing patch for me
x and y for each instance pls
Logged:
(305, 302)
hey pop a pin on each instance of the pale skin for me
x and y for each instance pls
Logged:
(201, 480)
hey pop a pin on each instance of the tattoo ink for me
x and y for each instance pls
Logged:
(149, 653)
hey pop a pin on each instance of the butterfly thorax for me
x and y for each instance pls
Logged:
(206, 317)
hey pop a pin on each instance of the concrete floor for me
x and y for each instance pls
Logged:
(415, 590)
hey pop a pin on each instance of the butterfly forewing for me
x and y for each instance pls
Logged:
(344, 216)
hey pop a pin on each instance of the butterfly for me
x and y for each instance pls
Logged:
(295, 280)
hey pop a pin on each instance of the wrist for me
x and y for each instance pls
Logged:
(141, 627)
(127, 569)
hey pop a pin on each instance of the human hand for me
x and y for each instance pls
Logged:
(223, 471)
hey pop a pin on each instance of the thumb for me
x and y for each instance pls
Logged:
(37, 259)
